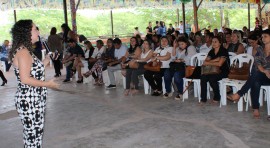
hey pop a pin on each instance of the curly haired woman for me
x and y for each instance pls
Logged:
(30, 98)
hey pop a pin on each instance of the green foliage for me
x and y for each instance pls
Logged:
(124, 22)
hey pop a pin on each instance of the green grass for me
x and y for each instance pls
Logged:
(124, 22)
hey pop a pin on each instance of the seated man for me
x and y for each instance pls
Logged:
(4, 54)
(74, 51)
(119, 54)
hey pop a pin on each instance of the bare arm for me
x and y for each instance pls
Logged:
(148, 57)
(240, 49)
(23, 60)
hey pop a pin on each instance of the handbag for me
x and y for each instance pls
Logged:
(210, 69)
(133, 64)
(239, 73)
(153, 66)
(189, 71)
(177, 66)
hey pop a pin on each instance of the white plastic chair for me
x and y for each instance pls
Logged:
(236, 84)
(231, 55)
(196, 60)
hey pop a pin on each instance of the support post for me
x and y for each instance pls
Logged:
(184, 17)
(15, 16)
(249, 16)
(73, 15)
(195, 11)
(260, 13)
(65, 11)
(112, 23)
(221, 17)
(178, 19)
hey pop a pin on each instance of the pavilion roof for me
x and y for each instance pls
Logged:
(115, 4)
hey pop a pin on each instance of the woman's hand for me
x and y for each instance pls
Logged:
(52, 84)
(267, 73)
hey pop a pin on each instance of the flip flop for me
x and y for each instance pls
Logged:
(256, 116)
(229, 97)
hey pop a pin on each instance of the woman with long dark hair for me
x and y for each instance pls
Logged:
(55, 44)
(30, 98)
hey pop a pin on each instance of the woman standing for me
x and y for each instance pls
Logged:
(218, 56)
(55, 44)
(30, 99)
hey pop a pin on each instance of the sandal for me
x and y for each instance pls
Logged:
(234, 97)
(86, 75)
(256, 114)
(214, 102)
(126, 92)
(134, 92)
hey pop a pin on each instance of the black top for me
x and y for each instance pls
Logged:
(221, 53)
(171, 30)
(156, 27)
(109, 53)
(233, 47)
(149, 29)
(77, 50)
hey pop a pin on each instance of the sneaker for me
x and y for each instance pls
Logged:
(66, 80)
(111, 86)
(178, 97)
(167, 95)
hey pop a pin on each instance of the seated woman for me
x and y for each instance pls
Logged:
(260, 75)
(96, 56)
(133, 52)
(236, 45)
(101, 64)
(182, 51)
(133, 73)
(163, 54)
(217, 56)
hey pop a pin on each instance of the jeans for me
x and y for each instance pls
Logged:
(68, 70)
(111, 70)
(155, 78)
(248, 83)
(213, 80)
(259, 80)
(6, 63)
(178, 80)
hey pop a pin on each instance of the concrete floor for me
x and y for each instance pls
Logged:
(88, 116)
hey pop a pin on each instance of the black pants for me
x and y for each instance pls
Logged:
(57, 66)
(213, 80)
(154, 78)
(2, 76)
